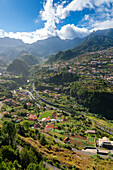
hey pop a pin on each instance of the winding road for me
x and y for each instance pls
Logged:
(103, 128)
(86, 152)
(53, 105)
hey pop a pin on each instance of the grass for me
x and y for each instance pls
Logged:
(90, 139)
(46, 114)
(59, 131)
(79, 140)
(101, 121)
(67, 157)
(1, 123)
(54, 132)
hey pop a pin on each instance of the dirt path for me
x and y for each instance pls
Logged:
(50, 166)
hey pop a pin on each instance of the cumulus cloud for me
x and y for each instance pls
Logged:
(103, 25)
(71, 31)
(54, 13)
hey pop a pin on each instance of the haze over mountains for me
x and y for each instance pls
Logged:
(11, 48)
(14, 48)
(97, 40)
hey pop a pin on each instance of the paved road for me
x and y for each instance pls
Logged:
(53, 105)
(86, 152)
(32, 98)
(105, 129)
(89, 152)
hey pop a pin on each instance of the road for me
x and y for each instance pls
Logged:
(89, 152)
(103, 128)
(32, 98)
(54, 106)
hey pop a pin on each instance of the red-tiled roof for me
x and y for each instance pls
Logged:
(28, 104)
(32, 117)
(50, 126)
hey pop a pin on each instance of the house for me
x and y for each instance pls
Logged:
(112, 61)
(32, 117)
(15, 103)
(90, 132)
(28, 104)
(54, 120)
(105, 143)
(6, 112)
(46, 119)
(23, 99)
(8, 101)
(49, 127)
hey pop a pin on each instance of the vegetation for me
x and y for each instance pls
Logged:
(94, 100)
(18, 67)
(65, 107)
(95, 41)
(29, 59)
(11, 156)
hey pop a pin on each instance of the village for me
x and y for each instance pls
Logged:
(80, 134)
(95, 65)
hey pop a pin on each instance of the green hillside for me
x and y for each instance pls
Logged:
(18, 67)
(96, 41)
(29, 59)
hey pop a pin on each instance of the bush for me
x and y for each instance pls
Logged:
(67, 146)
(60, 138)
(55, 136)
(8, 153)
(43, 140)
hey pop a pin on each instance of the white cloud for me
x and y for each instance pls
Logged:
(103, 25)
(79, 5)
(71, 31)
(54, 13)
(100, 2)
(2, 33)
(86, 17)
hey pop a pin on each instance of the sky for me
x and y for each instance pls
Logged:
(33, 20)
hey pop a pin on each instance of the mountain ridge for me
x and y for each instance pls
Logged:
(95, 41)
(10, 47)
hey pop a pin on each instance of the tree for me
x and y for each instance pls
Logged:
(21, 130)
(17, 165)
(27, 157)
(34, 166)
(43, 140)
(26, 125)
(10, 129)
(8, 152)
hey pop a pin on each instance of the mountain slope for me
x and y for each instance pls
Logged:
(11, 48)
(98, 40)
(52, 45)
(28, 58)
(10, 42)
(18, 67)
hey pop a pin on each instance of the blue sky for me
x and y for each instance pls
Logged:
(32, 20)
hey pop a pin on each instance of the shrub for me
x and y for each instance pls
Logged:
(43, 140)
(67, 146)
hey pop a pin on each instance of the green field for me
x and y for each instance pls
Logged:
(46, 114)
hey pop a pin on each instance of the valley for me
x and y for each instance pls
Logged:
(60, 110)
